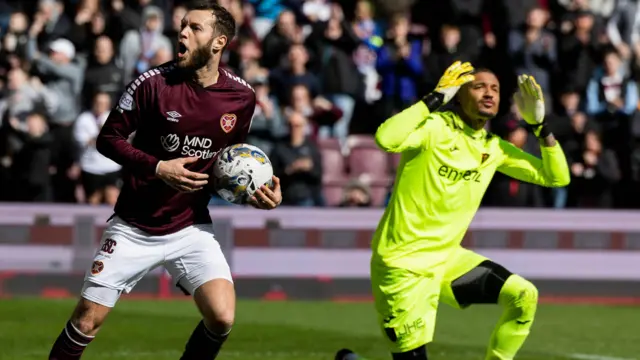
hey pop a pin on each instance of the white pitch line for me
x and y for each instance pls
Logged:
(595, 357)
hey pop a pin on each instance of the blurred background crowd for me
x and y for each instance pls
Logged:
(326, 74)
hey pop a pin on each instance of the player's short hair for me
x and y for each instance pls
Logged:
(483, 70)
(224, 23)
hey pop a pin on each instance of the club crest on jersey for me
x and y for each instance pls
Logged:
(97, 267)
(228, 121)
(485, 156)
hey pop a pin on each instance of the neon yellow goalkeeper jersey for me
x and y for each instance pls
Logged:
(444, 171)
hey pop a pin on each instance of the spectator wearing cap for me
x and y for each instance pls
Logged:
(62, 77)
(139, 47)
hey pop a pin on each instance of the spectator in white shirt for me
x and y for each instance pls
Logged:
(100, 175)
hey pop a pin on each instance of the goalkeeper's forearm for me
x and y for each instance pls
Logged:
(555, 164)
(393, 133)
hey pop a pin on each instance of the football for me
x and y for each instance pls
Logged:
(239, 171)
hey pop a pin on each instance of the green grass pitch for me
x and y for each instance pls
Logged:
(157, 330)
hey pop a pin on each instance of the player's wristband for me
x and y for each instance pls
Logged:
(433, 100)
(542, 131)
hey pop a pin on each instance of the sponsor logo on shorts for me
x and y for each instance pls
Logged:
(109, 246)
(408, 329)
(228, 122)
(97, 267)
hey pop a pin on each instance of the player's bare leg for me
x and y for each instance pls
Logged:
(79, 331)
(490, 283)
(216, 300)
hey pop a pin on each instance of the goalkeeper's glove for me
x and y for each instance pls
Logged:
(530, 102)
(454, 77)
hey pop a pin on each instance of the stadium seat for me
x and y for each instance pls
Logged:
(379, 193)
(365, 158)
(330, 143)
(394, 159)
(333, 164)
(361, 141)
(332, 191)
(370, 161)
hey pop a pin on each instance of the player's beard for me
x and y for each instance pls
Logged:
(198, 58)
(486, 115)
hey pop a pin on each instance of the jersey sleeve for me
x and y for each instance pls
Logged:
(551, 171)
(410, 129)
(136, 104)
(245, 117)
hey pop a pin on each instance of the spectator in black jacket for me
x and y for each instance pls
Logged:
(297, 162)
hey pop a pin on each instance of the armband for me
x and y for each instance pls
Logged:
(433, 100)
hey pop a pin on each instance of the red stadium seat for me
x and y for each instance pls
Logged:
(370, 161)
(366, 158)
(332, 165)
(361, 141)
(333, 191)
(379, 193)
(394, 159)
(330, 143)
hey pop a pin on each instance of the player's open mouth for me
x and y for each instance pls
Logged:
(182, 49)
(488, 103)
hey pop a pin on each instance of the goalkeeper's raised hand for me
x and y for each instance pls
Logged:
(454, 77)
(530, 102)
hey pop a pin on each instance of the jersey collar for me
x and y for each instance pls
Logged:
(469, 131)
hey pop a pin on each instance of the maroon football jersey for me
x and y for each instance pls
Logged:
(172, 118)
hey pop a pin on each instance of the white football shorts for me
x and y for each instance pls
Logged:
(192, 256)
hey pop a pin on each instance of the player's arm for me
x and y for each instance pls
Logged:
(123, 120)
(408, 130)
(552, 170)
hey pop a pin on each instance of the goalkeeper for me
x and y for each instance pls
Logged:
(448, 160)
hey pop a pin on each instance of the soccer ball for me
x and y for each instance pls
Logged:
(239, 171)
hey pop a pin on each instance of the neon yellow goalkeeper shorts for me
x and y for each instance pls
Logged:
(407, 302)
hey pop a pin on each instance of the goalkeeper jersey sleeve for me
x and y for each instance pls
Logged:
(551, 171)
(407, 130)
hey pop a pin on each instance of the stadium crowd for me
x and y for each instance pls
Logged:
(326, 74)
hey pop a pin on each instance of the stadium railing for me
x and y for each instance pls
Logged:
(52, 245)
